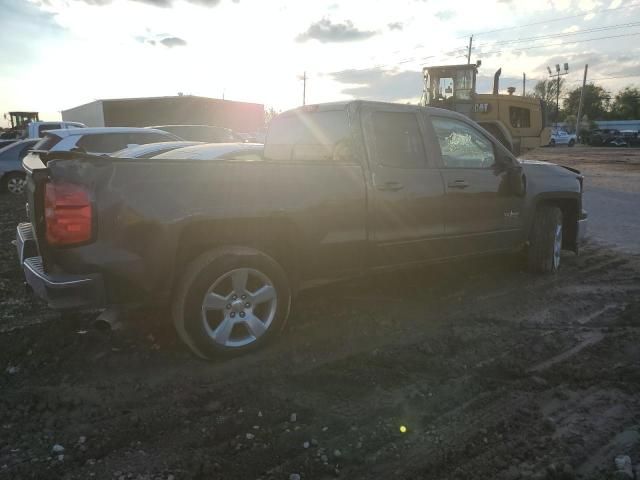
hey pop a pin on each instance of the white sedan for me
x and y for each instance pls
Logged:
(212, 151)
(560, 137)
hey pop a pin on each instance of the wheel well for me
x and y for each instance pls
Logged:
(569, 209)
(274, 238)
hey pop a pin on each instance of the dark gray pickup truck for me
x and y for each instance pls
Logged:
(343, 189)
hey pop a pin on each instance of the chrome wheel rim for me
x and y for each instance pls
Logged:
(239, 307)
(557, 247)
(16, 185)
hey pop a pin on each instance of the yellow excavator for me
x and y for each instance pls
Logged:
(518, 122)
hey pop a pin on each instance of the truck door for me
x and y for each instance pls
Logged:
(407, 192)
(482, 209)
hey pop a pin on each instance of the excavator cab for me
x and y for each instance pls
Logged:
(451, 86)
(20, 120)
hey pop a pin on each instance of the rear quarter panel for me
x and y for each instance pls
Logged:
(144, 207)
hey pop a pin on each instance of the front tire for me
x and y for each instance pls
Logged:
(572, 143)
(552, 143)
(230, 301)
(545, 241)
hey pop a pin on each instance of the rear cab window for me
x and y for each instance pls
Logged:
(310, 136)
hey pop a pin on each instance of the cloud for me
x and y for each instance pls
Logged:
(325, 31)
(445, 15)
(158, 3)
(171, 42)
(378, 84)
(395, 26)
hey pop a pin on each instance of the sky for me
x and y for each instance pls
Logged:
(58, 54)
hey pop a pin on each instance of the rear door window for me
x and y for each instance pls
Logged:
(309, 137)
(398, 140)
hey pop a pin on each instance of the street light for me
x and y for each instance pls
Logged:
(557, 76)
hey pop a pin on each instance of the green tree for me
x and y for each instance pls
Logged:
(546, 91)
(595, 104)
(626, 104)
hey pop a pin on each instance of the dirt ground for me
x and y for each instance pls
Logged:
(494, 373)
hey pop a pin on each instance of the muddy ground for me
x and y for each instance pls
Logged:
(495, 374)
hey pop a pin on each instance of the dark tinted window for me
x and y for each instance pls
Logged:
(104, 142)
(461, 145)
(398, 140)
(47, 126)
(520, 117)
(47, 142)
(309, 136)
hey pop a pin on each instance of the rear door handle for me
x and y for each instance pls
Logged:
(390, 186)
(458, 184)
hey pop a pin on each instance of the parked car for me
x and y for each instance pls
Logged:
(202, 133)
(560, 137)
(212, 151)
(12, 178)
(38, 129)
(342, 189)
(151, 149)
(602, 136)
(101, 140)
(627, 138)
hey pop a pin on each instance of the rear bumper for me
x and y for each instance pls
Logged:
(582, 226)
(61, 291)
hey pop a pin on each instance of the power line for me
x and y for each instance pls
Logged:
(558, 19)
(562, 34)
(561, 43)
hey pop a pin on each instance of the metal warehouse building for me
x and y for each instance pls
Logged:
(178, 110)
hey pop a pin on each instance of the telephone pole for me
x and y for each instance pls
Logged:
(584, 83)
(524, 83)
(469, 51)
(304, 88)
(557, 76)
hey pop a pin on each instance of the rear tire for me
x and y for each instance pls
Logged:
(231, 301)
(14, 183)
(552, 143)
(545, 241)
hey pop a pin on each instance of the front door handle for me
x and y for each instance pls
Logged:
(390, 186)
(458, 184)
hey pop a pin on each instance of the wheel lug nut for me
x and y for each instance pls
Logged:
(243, 297)
(241, 314)
(234, 297)
(247, 305)
(232, 314)
(228, 306)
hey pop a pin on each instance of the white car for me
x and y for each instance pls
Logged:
(212, 151)
(560, 137)
(151, 149)
(101, 140)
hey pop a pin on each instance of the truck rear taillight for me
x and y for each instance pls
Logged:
(68, 214)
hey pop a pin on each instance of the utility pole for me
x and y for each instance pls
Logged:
(524, 83)
(584, 83)
(557, 76)
(469, 51)
(304, 88)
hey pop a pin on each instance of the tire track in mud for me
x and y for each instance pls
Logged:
(448, 359)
